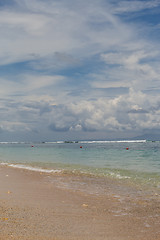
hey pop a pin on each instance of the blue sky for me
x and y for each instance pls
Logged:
(74, 69)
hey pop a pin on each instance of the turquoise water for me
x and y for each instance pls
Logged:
(123, 160)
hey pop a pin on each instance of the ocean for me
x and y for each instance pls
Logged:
(134, 161)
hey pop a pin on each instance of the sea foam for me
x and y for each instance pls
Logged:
(35, 169)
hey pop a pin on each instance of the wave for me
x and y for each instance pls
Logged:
(116, 141)
(82, 141)
(109, 173)
(35, 169)
(12, 142)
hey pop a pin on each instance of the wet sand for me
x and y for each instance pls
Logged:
(36, 206)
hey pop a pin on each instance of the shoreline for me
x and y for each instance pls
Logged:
(36, 205)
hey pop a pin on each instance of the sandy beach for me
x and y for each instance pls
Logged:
(35, 206)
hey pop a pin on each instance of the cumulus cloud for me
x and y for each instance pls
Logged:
(129, 112)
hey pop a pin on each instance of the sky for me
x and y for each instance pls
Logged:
(76, 70)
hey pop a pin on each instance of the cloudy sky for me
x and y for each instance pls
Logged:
(73, 69)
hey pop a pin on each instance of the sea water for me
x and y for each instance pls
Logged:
(136, 161)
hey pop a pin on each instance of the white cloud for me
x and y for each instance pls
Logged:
(114, 114)
(27, 85)
(31, 82)
(135, 6)
(45, 28)
(28, 23)
(132, 112)
(14, 126)
(134, 69)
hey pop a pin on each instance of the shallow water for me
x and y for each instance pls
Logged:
(133, 160)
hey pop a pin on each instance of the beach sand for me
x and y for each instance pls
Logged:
(35, 206)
